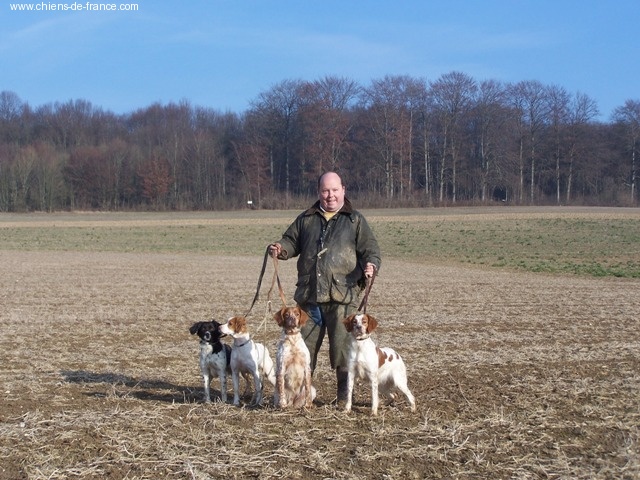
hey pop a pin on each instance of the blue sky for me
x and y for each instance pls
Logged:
(223, 53)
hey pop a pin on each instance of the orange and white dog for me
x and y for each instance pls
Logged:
(293, 361)
(247, 357)
(382, 367)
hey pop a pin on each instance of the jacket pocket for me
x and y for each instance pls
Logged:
(344, 290)
(303, 289)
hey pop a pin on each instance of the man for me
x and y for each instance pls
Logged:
(336, 250)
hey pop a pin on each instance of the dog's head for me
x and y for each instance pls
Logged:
(360, 324)
(234, 326)
(291, 318)
(209, 332)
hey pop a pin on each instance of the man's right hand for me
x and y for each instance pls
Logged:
(275, 249)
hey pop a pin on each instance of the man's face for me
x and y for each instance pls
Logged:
(331, 193)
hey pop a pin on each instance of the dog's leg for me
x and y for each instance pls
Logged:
(207, 387)
(307, 386)
(235, 377)
(257, 383)
(280, 399)
(223, 386)
(314, 393)
(247, 384)
(279, 396)
(350, 381)
(374, 394)
(402, 386)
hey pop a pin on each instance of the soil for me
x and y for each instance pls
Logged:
(516, 375)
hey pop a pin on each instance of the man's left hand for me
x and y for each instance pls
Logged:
(369, 270)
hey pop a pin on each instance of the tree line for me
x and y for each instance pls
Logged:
(400, 141)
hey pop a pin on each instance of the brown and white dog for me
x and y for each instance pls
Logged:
(249, 357)
(293, 361)
(382, 367)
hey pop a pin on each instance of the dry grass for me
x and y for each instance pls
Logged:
(516, 375)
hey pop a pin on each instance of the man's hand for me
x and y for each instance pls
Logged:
(275, 249)
(369, 270)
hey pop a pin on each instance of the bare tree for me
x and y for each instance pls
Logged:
(48, 179)
(251, 154)
(164, 131)
(388, 125)
(582, 112)
(425, 124)
(24, 165)
(155, 180)
(490, 118)
(558, 106)
(11, 108)
(453, 95)
(280, 105)
(324, 106)
(72, 123)
(528, 98)
(629, 117)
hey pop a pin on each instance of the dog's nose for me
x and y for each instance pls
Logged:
(206, 336)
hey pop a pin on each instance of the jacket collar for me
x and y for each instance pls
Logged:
(347, 208)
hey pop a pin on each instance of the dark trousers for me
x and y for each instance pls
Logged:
(327, 318)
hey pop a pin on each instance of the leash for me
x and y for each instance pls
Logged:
(367, 290)
(276, 279)
(257, 295)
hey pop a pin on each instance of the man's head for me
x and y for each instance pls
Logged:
(331, 192)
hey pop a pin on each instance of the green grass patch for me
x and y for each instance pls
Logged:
(596, 246)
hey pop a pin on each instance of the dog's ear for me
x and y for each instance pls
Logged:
(279, 317)
(303, 316)
(372, 323)
(238, 324)
(195, 327)
(348, 323)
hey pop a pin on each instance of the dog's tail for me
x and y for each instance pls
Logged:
(267, 366)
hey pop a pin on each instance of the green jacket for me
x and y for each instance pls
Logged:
(332, 254)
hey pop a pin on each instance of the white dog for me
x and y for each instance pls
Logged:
(382, 367)
(249, 357)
